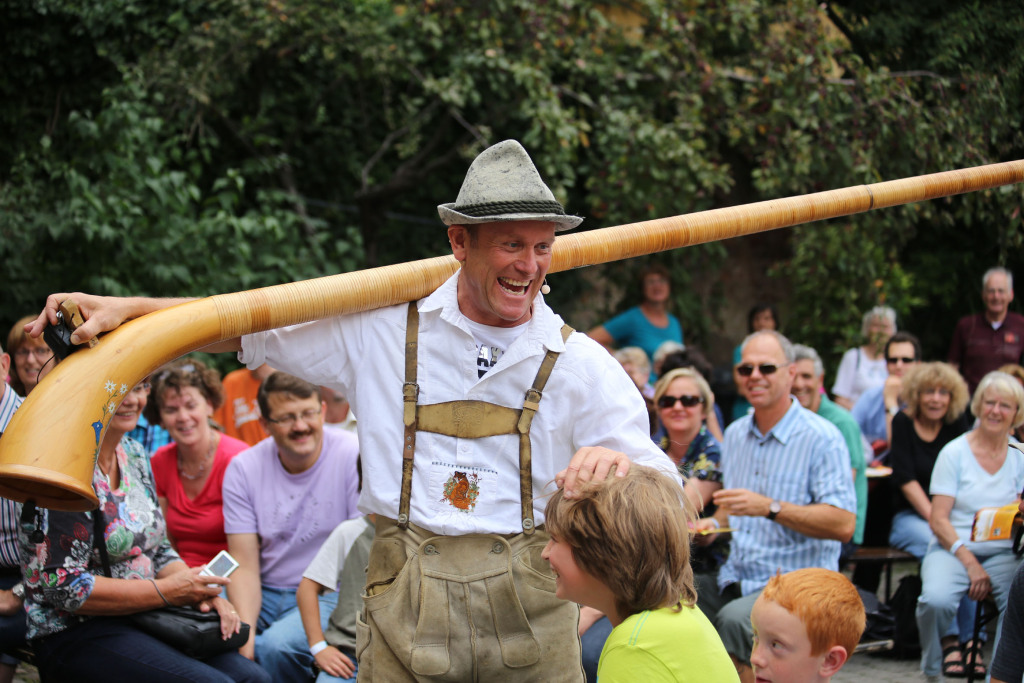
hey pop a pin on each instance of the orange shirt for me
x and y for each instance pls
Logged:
(240, 414)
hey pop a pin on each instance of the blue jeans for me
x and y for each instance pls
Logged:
(944, 581)
(13, 627)
(281, 645)
(324, 677)
(593, 642)
(105, 649)
(911, 533)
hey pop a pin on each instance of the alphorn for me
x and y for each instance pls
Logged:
(49, 450)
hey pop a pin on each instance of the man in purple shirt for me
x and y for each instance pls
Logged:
(282, 499)
(984, 342)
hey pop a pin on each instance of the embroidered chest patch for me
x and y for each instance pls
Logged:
(457, 490)
(461, 490)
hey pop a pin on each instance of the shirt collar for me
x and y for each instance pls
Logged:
(543, 330)
(783, 429)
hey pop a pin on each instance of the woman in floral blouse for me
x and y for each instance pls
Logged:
(684, 400)
(66, 588)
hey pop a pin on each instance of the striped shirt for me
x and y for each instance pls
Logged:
(9, 510)
(150, 436)
(802, 460)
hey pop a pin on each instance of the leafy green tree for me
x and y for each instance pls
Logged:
(209, 147)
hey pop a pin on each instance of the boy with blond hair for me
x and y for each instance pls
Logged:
(622, 546)
(806, 625)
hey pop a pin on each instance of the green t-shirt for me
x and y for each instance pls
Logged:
(842, 419)
(664, 645)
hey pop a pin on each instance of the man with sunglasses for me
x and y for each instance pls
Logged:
(876, 407)
(788, 495)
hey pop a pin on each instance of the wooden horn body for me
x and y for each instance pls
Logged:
(49, 450)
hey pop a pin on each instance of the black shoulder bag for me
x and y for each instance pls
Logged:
(194, 633)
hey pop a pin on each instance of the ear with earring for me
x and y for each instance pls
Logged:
(544, 288)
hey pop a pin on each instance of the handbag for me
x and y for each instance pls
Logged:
(194, 633)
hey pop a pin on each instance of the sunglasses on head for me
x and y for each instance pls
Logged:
(747, 369)
(687, 400)
(906, 361)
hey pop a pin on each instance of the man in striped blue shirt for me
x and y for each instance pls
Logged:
(12, 614)
(787, 493)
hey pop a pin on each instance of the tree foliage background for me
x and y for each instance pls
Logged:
(171, 147)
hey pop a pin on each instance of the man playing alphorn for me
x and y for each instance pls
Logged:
(470, 402)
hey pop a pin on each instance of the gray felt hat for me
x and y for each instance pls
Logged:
(502, 184)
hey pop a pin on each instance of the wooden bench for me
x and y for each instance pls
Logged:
(874, 646)
(884, 556)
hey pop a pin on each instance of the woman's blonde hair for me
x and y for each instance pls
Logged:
(632, 534)
(702, 386)
(935, 376)
(1004, 384)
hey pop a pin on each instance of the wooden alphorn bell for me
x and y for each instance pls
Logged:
(49, 450)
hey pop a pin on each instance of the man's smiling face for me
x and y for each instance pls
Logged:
(503, 268)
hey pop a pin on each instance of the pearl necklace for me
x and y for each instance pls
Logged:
(202, 466)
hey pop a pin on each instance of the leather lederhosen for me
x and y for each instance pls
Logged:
(476, 607)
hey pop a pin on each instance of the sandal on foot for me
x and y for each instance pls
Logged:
(953, 668)
(980, 671)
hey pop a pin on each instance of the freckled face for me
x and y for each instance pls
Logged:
(503, 268)
(782, 650)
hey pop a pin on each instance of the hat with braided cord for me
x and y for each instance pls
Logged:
(502, 184)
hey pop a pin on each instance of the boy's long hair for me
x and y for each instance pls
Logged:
(825, 601)
(632, 534)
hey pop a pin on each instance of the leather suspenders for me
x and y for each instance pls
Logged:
(468, 420)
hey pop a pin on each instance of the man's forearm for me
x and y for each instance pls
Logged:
(818, 520)
(245, 595)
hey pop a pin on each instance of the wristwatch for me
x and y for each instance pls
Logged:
(774, 509)
(892, 411)
(19, 591)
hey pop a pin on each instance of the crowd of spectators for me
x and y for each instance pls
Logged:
(781, 488)
(792, 489)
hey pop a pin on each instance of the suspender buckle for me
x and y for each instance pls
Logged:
(410, 394)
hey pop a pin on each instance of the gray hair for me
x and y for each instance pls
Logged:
(666, 347)
(877, 312)
(1002, 383)
(801, 352)
(635, 356)
(787, 346)
(998, 270)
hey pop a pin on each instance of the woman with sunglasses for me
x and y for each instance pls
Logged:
(189, 472)
(31, 358)
(684, 400)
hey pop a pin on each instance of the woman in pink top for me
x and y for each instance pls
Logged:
(189, 472)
